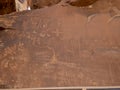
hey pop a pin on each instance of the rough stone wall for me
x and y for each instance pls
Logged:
(7, 6)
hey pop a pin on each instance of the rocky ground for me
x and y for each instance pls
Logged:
(61, 45)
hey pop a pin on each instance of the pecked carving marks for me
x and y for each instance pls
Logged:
(58, 49)
(12, 60)
(7, 21)
(42, 29)
(1, 44)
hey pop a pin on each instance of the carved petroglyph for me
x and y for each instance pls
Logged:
(1, 44)
(35, 55)
(57, 33)
(117, 15)
(7, 22)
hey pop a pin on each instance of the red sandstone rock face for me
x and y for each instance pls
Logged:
(44, 3)
(59, 46)
(81, 3)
